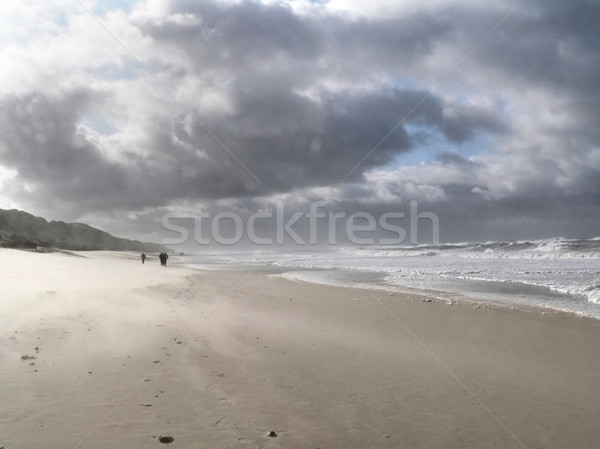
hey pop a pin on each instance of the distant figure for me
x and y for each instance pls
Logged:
(163, 258)
(143, 258)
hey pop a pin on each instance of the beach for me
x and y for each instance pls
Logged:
(98, 350)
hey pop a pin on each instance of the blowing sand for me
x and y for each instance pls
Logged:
(100, 351)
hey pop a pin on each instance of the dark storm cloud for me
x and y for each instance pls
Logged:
(282, 135)
(41, 142)
(285, 138)
(293, 141)
(559, 45)
(550, 44)
(269, 56)
(278, 140)
(259, 38)
(59, 164)
(303, 98)
(236, 33)
(289, 141)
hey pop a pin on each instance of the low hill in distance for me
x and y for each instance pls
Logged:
(19, 229)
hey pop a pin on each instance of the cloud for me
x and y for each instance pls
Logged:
(250, 102)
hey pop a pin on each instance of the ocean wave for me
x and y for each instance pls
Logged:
(558, 248)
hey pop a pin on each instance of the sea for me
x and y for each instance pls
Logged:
(558, 274)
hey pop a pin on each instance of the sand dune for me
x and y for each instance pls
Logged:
(100, 351)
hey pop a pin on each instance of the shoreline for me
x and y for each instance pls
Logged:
(449, 298)
(290, 273)
(127, 353)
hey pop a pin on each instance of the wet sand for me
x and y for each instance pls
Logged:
(101, 351)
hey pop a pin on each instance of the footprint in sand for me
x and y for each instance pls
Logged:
(225, 421)
(225, 402)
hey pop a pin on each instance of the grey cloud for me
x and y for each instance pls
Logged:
(311, 95)
(250, 34)
(42, 143)
(552, 48)
(466, 122)
(557, 43)
(236, 35)
(278, 140)
(289, 141)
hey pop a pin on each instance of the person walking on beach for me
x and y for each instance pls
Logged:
(143, 258)
(163, 259)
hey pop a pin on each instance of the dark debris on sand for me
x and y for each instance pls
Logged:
(166, 439)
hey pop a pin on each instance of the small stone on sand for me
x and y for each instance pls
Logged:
(166, 440)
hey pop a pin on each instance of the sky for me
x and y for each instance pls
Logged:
(133, 116)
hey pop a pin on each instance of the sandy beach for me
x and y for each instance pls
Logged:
(98, 350)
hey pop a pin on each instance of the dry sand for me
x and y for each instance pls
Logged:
(103, 352)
